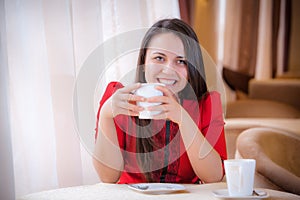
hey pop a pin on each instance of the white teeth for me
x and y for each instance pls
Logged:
(167, 82)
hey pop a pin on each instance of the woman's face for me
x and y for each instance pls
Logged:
(166, 62)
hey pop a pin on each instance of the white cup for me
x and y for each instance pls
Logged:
(240, 176)
(148, 90)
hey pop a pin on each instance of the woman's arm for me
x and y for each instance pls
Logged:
(205, 160)
(108, 160)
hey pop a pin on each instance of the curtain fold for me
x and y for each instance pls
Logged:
(187, 9)
(47, 43)
(263, 65)
(59, 37)
(7, 189)
(256, 41)
(285, 24)
(33, 134)
(240, 43)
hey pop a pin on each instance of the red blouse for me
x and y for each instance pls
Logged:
(171, 164)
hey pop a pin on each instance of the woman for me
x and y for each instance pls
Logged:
(184, 143)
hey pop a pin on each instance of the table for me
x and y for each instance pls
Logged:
(103, 191)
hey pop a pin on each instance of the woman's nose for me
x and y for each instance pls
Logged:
(168, 69)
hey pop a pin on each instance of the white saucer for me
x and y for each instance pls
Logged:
(156, 188)
(223, 194)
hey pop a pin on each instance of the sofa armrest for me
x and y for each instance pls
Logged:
(276, 155)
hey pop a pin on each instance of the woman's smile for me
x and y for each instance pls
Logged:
(167, 82)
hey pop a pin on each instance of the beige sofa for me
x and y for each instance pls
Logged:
(274, 98)
(270, 103)
(277, 157)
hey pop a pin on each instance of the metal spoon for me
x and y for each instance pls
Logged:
(258, 193)
(140, 187)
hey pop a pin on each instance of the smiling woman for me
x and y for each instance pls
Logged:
(185, 142)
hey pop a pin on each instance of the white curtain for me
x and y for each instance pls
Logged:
(47, 42)
(6, 166)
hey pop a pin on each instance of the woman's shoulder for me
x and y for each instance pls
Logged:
(211, 100)
(208, 100)
(212, 95)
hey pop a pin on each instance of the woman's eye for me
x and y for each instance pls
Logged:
(181, 62)
(159, 58)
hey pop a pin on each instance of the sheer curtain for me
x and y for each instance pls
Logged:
(6, 172)
(46, 44)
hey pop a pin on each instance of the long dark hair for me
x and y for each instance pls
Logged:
(195, 88)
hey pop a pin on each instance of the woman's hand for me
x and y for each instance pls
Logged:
(123, 101)
(170, 107)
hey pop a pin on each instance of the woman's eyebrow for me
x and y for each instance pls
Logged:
(181, 57)
(160, 53)
(156, 52)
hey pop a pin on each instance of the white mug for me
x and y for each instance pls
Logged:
(148, 90)
(240, 176)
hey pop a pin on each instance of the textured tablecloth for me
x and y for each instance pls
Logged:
(104, 191)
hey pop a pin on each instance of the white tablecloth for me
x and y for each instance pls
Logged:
(104, 191)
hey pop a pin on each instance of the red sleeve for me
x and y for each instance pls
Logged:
(212, 123)
(110, 90)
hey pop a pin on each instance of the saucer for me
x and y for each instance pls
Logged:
(223, 194)
(156, 188)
